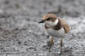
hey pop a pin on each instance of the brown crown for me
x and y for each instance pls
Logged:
(52, 16)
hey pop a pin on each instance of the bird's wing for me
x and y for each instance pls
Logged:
(65, 25)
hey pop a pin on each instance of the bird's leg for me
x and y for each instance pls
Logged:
(49, 49)
(50, 43)
(61, 45)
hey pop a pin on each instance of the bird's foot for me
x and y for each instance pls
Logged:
(49, 49)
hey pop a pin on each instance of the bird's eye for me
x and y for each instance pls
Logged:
(48, 18)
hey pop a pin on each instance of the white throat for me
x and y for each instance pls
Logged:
(56, 21)
(51, 24)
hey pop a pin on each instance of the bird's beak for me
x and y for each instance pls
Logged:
(42, 21)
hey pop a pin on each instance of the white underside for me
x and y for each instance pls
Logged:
(55, 33)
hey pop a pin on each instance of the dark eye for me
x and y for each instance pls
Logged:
(48, 18)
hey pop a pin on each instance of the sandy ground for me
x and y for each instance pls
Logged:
(22, 35)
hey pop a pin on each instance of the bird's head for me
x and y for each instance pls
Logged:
(50, 19)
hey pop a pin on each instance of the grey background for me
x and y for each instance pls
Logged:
(22, 35)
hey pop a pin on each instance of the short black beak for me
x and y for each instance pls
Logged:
(42, 21)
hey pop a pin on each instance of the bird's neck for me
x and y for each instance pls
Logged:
(58, 25)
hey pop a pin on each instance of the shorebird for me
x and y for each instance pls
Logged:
(55, 27)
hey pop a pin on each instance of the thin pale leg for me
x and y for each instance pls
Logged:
(49, 49)
(61, 45)
(51, 43)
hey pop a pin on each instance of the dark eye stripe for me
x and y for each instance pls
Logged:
(48, 18)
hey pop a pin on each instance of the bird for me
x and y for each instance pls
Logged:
(55, 27)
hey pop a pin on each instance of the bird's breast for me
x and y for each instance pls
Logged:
(56, 33)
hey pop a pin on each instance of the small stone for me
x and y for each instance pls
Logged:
(19, 42)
